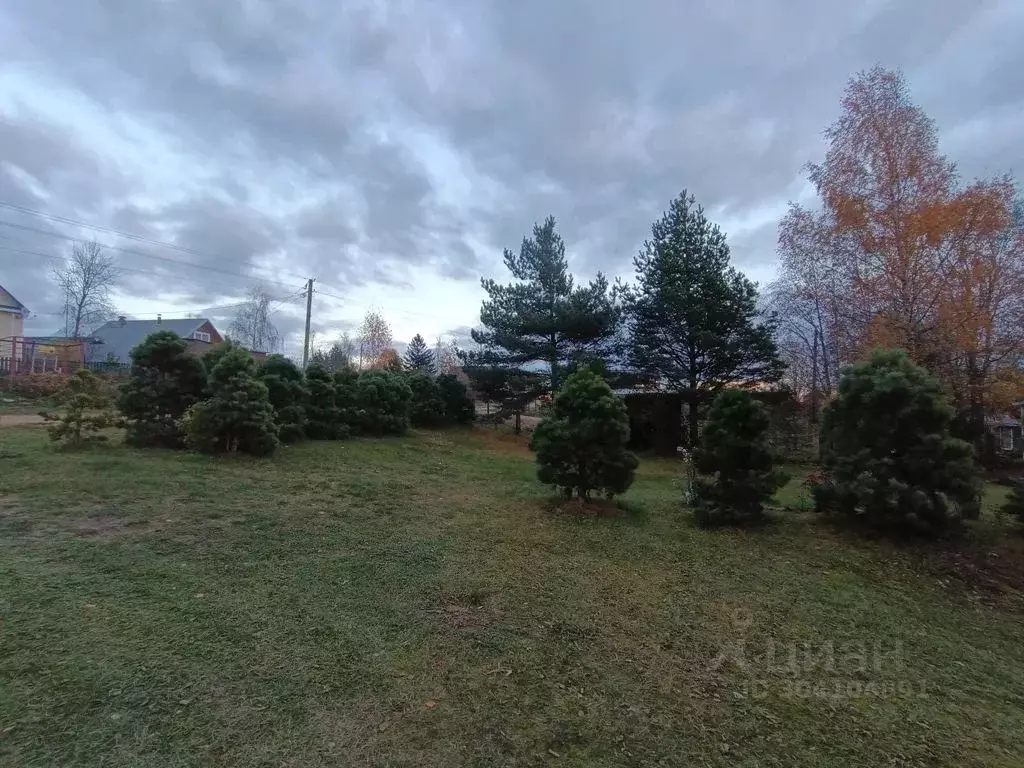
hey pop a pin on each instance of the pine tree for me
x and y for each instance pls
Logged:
(418, 357)
(888, 456)
(693, 319)
(581, 446)
(165, 380)
(544, 317)
(287, 391)
(237, 416)
(735, 452)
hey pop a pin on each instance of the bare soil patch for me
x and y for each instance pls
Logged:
(21, 419)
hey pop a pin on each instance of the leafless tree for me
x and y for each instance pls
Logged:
(252, 326)
(85, 280)
(446, 355)
(374, 338)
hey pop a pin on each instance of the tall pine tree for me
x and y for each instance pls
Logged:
(694, 324)
(544, 317)
(418, 357)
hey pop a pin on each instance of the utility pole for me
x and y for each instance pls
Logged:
(309, 312)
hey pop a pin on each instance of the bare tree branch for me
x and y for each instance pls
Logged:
(252, 326)
(86, 281)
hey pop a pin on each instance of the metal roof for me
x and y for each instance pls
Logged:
(17, 304)
(117, 340)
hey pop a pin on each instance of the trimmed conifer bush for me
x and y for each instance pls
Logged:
(426, 406)
(383, 401)
(345, 400)
(165, 380)
(735, 463)
(323, 417)
(458, 406)
(888, 456)
(237, 416)
(581, 445)
(286, 388)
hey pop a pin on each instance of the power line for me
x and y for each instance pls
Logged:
(112, 231)
(149, 273)
(407, 312)
(167, 259)
(287, 299)
(152, 241)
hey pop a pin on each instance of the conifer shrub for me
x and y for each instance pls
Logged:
(458, 406)
(323, 417)
(86, 408)
(888, 456)
(237, 415)
(736, 473)
(426, 405)
(581, 444)
(286, 388)
(165, 379)
(383, 402)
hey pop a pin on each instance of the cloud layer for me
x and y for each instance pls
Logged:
(393, 149)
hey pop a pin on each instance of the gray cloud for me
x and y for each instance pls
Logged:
(358, 142)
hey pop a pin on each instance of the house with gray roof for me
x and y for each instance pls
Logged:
(113, 342)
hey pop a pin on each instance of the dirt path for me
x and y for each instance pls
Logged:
(20, 419)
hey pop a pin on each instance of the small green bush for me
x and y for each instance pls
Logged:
(237, 416)
(87, 408)
(165, 380)
(889, 459)
(426, 406)
(458, 406)
(286, 388)
(581, 446)
(383, 401)
(735, 463)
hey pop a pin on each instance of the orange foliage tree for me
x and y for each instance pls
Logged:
(899, 254)
(388, 360)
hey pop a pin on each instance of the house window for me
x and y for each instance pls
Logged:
(200, 336)
(1006, 439)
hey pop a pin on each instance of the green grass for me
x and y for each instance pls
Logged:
(419, 601)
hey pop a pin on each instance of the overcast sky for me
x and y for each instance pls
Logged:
(392, 149)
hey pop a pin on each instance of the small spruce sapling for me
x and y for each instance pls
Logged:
(87, 409)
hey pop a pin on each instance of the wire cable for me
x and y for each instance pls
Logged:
(110, 231)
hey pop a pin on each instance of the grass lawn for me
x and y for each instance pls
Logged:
(418, 601)
(17, 405)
